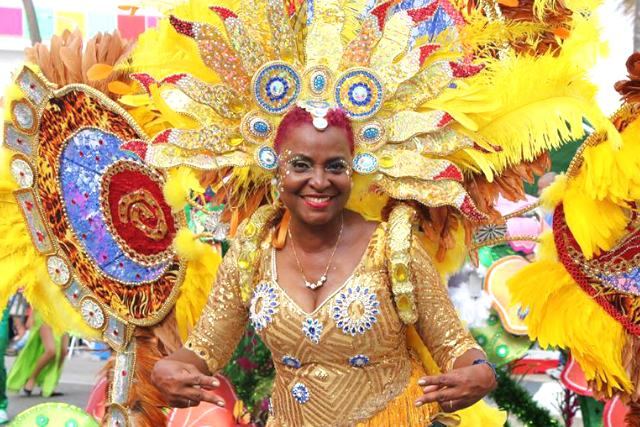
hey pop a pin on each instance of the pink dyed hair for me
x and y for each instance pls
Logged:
(335, 117)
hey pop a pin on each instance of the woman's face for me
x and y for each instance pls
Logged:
(315, 173)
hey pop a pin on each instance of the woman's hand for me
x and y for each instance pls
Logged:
(459, 388)
(183, 384)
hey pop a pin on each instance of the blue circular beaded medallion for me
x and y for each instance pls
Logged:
(365, 163)
(355, 310)
(276, 87)
(291, 362)
(300, 393)
(359, 93)
(359, 361)
(267, 158)
(264, 305)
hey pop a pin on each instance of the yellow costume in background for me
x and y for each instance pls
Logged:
(347, 361)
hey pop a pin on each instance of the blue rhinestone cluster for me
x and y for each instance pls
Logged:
(355, 310)
(264, 305)
(312, 328)
(300, 393)
(291, 362)
(359, 361)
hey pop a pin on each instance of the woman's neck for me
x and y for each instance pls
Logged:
(309, 237)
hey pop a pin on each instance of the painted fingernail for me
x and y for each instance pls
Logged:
(422, 382)
(215, 383)
(220, 403)
(418, 403)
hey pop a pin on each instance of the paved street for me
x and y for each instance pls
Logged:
(77, 379)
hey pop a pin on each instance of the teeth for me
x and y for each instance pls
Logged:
(318, 199)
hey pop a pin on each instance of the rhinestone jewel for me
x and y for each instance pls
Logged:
(58, 270)
(319, 82)
(267, 158)
(24, 115)
(291, 362)
(312, 328)
(22, 173)
(300, 393)
(371, 133)
(365, 163)
(263, 306)
(92, 313)
(359, 361)
(260, 127)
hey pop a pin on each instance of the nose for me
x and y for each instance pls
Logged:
(319, 180)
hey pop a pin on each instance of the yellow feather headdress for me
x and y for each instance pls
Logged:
(436, 96)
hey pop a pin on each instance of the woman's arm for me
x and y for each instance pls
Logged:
(467, 377)
(184, 377)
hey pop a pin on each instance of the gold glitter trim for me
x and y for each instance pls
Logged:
(401, 221)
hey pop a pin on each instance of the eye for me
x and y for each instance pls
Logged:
(338, 166)
(300, 165)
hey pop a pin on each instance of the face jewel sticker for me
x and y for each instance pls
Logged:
(58, 270)
(24, 117)
(267, 158)
(359, 94)
(22, 172)
(365, 163)
(92, 313)
(300, 393)
(276, 87)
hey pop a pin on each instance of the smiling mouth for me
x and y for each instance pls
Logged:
(317, 199)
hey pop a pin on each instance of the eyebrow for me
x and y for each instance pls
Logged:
(307, 158)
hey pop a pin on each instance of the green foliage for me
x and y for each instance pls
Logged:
(513, 398)
(251, 373)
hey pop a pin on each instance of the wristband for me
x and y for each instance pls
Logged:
(489, 364)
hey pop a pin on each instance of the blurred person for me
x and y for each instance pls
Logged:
(4, 342)
(40, 361)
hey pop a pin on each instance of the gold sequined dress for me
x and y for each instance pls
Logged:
(346, 363)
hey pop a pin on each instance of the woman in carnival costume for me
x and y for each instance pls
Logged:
(332, 280)
(429, 103)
